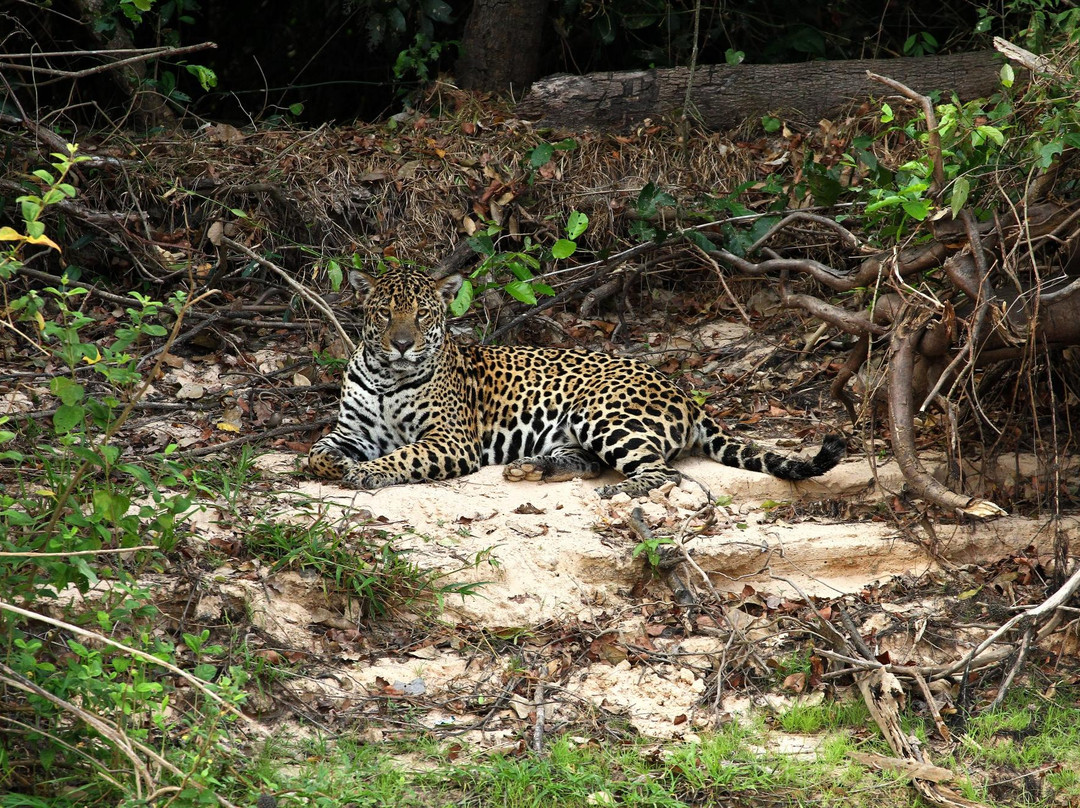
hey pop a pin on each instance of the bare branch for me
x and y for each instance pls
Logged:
(934, 146)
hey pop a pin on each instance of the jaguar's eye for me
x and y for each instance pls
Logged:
(383, 314)
(423, 314)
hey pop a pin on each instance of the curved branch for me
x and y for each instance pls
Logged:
(308, 295)
(934, 146)
(823, 273)
(846, 236)
(902, 430)
(843, 319)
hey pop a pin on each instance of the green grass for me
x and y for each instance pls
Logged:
(1029, 732)
(737, 765)
(808, 719)
(357, 561)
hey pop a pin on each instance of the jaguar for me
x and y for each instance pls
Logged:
(416, 406)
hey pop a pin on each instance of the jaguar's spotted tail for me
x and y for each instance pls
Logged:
(742, 454)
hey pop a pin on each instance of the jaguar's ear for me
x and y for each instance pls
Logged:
(448, 286)
(363, 284)
(361, 281)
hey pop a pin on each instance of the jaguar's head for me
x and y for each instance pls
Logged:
(405, 314)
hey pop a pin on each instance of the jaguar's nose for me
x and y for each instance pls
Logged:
(401, 344)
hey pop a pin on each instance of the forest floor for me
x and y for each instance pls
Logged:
(733, 640)
(500, 618)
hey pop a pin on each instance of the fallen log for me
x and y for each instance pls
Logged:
(723, 96)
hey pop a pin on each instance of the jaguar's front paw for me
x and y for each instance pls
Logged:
(329, 464)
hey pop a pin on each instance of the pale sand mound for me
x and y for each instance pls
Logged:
(560, 562)
(558, 551)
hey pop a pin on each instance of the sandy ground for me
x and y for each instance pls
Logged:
(558, 552)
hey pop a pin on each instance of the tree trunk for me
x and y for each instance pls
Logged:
(500, 48)
(723, 96)
(147, 106)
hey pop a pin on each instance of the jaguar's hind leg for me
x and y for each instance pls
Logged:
(641, 482)
(641, 460)
(564, 463)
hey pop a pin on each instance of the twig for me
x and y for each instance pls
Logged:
(846, 236)
(299, 288)
(823, 273)
(140, 55)
(835, 638)
(1059, 598)
(679, 590)
(103, 727)
(124, 742)
(934, 144)
(538, 726)
(693, 60)
(108, 551)
(931, 704)
(901, 369)
(723, 282)
(287, 429)
(1021, 655)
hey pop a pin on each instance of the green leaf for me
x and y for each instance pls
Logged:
(563, 248)
(110, 506)
(770, 124)
(296, 109)
(566, 144)
(79, 562)
(205, 671)
(991, 133)
(333, 270)
(67, 417)
(960, 191)
(699, 239)
(886, 113)
(1007, 75)
(543, 289)
(68, 391)
(521, 290)
(207, 77)
(462, 300)
(541, 155)
(520, 270)
(1048, 152)
(44, 176)
(917, 209)
(576, 223)
(888, 202)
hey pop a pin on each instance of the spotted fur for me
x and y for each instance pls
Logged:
(415, 406)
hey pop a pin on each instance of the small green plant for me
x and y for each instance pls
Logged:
(515, 272)
(651, 549)
(360, 563)
(69, 494)
(420, 58)
(539, 156)
(922, 43)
